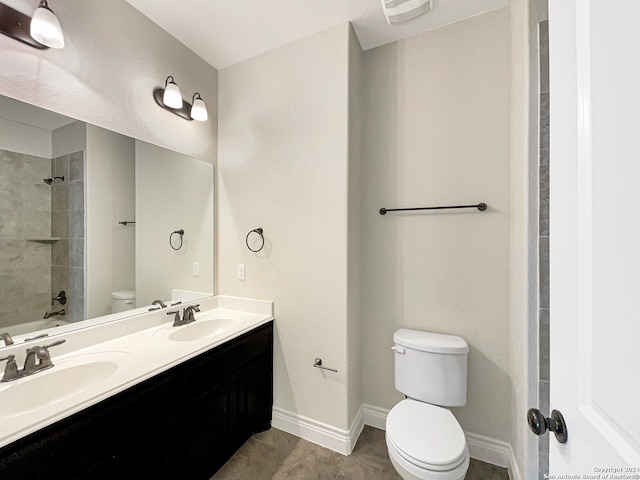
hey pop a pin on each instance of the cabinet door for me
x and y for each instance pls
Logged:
(254, 387)
(227, 395)
(209, 425)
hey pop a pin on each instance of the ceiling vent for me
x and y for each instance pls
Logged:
(400, 11)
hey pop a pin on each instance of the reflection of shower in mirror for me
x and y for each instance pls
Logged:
(49, 181)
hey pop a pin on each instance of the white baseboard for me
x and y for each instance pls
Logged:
(481, 448)
(489, 450)
(514, 469)
(336, 439)
(375, 416)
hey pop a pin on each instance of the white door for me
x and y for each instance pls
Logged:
(595, 235)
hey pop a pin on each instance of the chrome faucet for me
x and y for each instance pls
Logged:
(38, 359)
(160, 305)
(52, 314)
(187, 315)
(7, 338)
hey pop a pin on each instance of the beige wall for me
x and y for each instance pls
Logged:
(522, 336)
(525, 16)
(110, 198)
(283, 166)
(113, 59)
(69, 139)
(21, 138)
(437, 132)
(354, 225)
(172, 192)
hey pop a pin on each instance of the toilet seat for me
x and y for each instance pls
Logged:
(409, 471)
(426, 438)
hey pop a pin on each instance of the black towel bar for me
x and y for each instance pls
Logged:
(480, 206)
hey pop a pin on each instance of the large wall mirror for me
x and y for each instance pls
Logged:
(92, 213)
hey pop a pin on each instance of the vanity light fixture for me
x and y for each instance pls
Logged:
(170, 99)
(171, 96)
(199, 109)
(45, 27)
(41, 32)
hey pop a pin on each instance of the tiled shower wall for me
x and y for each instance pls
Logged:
(67, 223)
(34, 265)
(543, 242)
(25, 221)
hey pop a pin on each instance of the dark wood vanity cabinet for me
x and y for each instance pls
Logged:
(182, 424)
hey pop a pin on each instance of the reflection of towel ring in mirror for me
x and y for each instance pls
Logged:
(179, 232)
(259, 232)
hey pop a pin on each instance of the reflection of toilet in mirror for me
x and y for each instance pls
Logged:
(122, 300)
(424, 439)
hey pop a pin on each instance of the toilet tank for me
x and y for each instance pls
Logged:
(431, 367)
(123, 300)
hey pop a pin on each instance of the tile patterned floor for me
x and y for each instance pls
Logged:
(275, 455)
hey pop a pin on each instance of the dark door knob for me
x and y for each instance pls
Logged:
(539, 424)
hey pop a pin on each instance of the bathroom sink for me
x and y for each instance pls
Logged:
(66, 379)
(201, 329)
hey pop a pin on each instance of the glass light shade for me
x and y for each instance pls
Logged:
(199, 109)
(172, 96)
(45, 27)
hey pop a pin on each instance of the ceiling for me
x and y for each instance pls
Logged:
(225, 32)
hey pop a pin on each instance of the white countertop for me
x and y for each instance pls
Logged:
(124, 353)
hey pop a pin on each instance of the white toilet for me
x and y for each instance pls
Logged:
(123, 300)
(424, 439)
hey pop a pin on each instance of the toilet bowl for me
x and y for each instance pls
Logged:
(424, 439)
(426, 442)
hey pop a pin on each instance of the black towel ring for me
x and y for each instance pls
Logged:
(179, 232)
(259, 232)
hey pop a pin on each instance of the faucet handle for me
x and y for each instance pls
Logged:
(11, 369)
(176, 320)
(54, 344)
(61, 298)
(7, 338)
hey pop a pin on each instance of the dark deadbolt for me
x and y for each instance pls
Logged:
(539, 424)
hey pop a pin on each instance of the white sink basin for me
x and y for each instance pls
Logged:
(201, 329)
(66, 379)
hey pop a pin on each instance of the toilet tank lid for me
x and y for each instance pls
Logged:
(430, 342)
(123, 294)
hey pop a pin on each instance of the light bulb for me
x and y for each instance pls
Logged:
(172, 96)
(45, 27)
(199, 109)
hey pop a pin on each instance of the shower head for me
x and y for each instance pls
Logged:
(49, 181)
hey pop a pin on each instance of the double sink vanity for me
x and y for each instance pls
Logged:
(142, 398)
